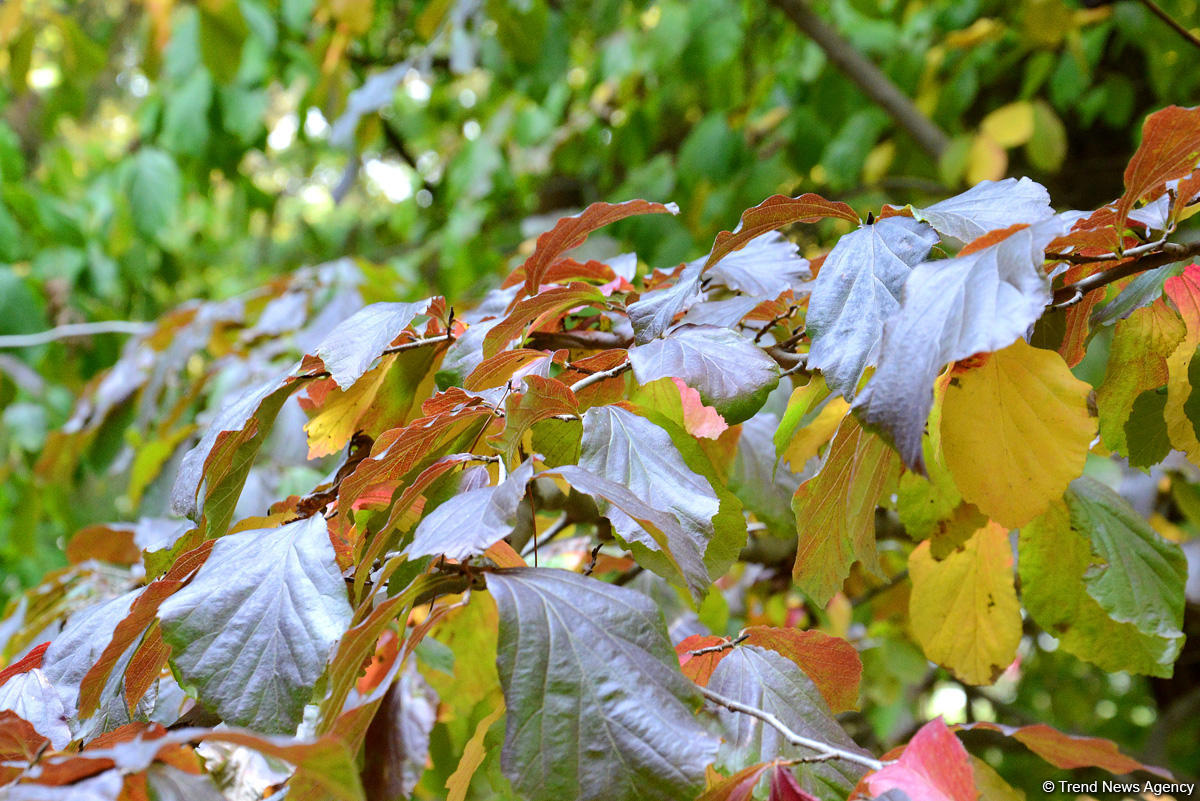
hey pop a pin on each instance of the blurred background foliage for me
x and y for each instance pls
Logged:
(159, 151)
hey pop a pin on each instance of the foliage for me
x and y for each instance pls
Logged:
(469, 577)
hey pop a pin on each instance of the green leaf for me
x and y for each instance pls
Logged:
(154, 191)
(222, 33)
(1139, 576)
(730, 372)
(1053, 560)
(597, 707)
(185, 117)
(253, 630)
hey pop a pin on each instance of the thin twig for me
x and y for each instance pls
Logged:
(1170, 253)
(826, 750)
(73, 330)
(1132, 253)
(603, 375)
(1174, 24)
(420, 343)
(776, 319)
(724, 646)
(591, 565)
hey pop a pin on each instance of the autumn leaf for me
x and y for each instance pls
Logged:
(1184, 292)
(774, 213)
(1015, 432)
(933, 767)
(1170, 149)
(835, 511)
(964, 607)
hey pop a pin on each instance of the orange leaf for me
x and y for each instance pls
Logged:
(570, 232)
(1169, 150)
(774, 213)
(699, 667)
(831, 662)
(31, 660)
(541, 309)
(1069, 751)
(739, 786)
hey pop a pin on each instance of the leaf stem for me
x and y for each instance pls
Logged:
(1174, 24)
(825, 750)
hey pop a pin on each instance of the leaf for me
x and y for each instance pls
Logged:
(933, 767)
(730, 372)
(221, 35)
(1137, 362)
(772, 214)
(353, 346)
(1069, 751)
(1184, 292)
(953, 309)
(831, 662)
(541, 309)
(857, 289)
(666, 548)
(784, 786)
(154, 190)
(218, 464)
(1140, 576)
(835, 511)
(764, 489)
(459, 782)
(1146, 430)
(738, 787)
(1035, 439)
(469, 523)
(765, 267)
(31, 697)
(771, 682)
(570, 232)
(253, 630)
(633, 452)
(543, 398)
(1053, 560)
(597, 708)
(964, 608)
(652, 314)
(1010, 125)
(1170, 149)
(396, 746)
(699, 666)
(988, 206)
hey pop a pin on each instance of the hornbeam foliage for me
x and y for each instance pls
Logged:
(507, 552)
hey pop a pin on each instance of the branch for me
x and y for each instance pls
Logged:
(73, 330)
(420, 343)
(603, 375)
(1171, 252)
(826, 750)
(591, 340)
(724, 646)
(1175, 25)
(869, 78)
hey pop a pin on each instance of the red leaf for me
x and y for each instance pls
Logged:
(145, 666)
(991, 238)
(933, 767)
(1170, 149)
(739, 786)
(542, 309)
(700, 421)
(784, 786)
(1068, 751)
(19, 741)
(699, 667)
(831, 662)
(774, 213)
(497, 370)
(570, 232)
(31, 660)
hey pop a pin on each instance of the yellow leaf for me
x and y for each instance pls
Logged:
(986, 160)
(1016, 431)
(1184, 292)
(473, 753)
(332, 427)
(964, 608)
(808, 440)
(1011, 125)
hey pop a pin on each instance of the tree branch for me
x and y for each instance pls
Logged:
(596, 378)
(826, 750)
(1170, 253)
(1174, 24)
(869, 78)
(73, 330)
